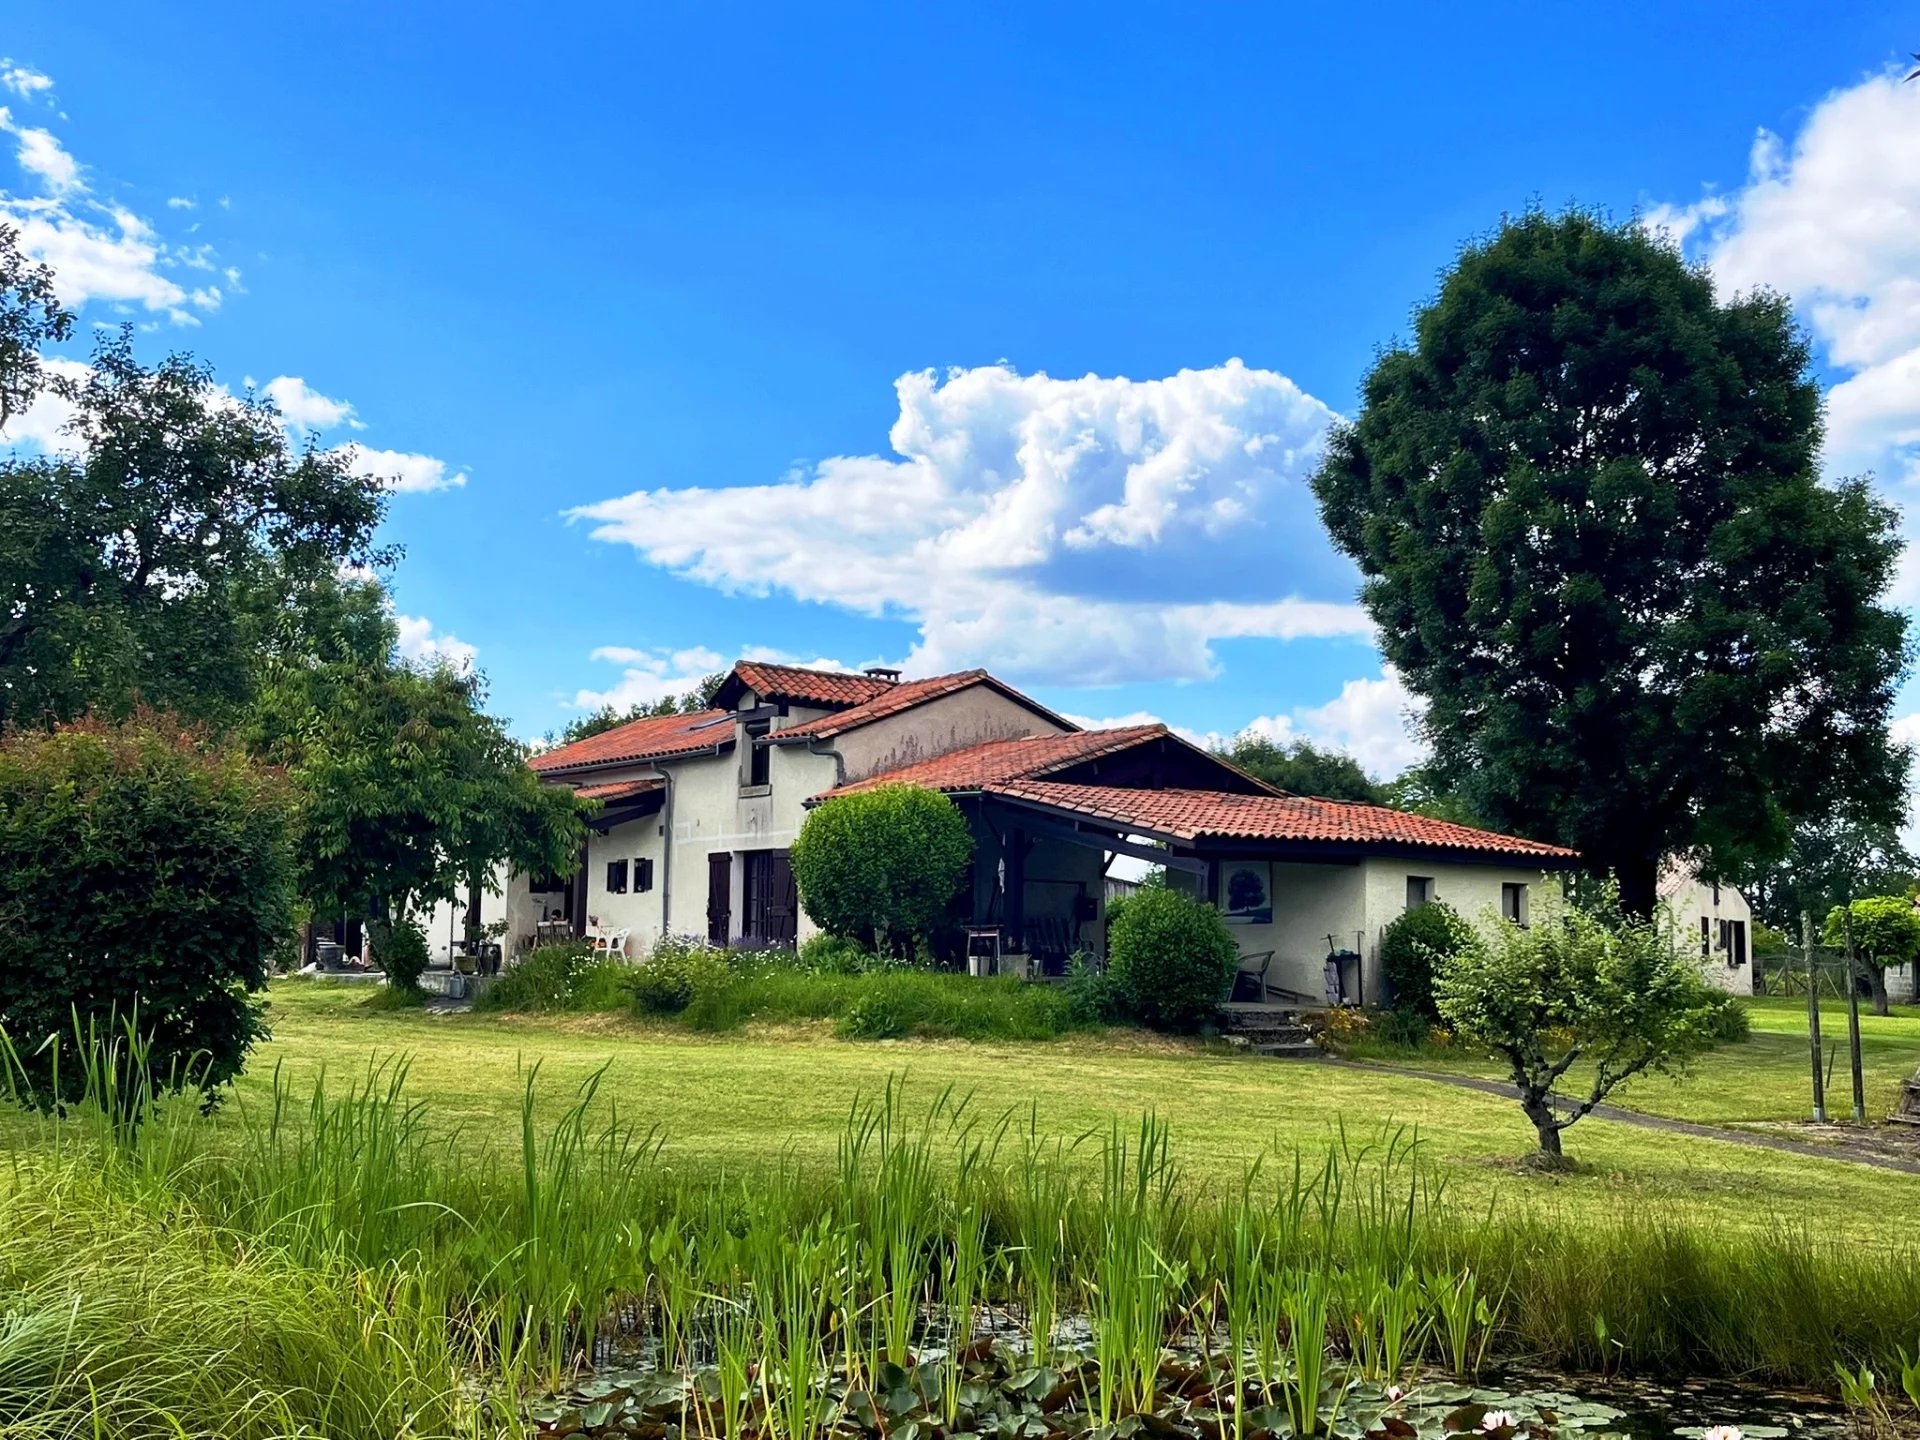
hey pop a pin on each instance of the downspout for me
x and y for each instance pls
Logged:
(666, 852)
(839, 762)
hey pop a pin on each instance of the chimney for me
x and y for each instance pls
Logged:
(882, 672)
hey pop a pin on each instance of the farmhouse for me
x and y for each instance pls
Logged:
(698, 812)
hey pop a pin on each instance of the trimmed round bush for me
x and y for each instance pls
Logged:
(1413, 946)
(880, 866)
(1171, 959)
(145, 871)
(402, 954)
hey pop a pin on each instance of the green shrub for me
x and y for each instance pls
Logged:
(1410, 949)
(542, 981)
(1171, 958)
(879, 866)
(144, 871)
(835, 955)
(1728, 1020)
(1092, 996)
(401, 952)
(675, 974)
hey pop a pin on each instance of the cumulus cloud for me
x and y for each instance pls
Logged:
(649, 675)
(43, 425)
(403, 472)
(100, 250)
(420, 644)
(1831, 217)
(301, 405)
(23, 80)
(1082, 531)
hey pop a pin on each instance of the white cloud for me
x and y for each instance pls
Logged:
(418, 643)
(649, 675)
(42, 155)
(404, 473)
(1831, 217)
(43, 424)
(24, 80)
(100, 250)
(1083, 531)
(303, 406)
(181, 202)
(1372, 720)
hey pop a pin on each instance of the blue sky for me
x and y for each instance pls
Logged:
(904, 334)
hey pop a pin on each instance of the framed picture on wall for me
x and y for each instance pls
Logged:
(1247, 892)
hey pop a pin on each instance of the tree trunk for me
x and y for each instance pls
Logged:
(1877, 983)
(1639, 880)
(1546, 1125)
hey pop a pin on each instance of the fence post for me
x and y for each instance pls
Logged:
(1853, 1025)
(1813, 1019)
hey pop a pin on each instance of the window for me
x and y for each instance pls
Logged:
(1419, 890)
(1513, 903)
(642, 875)
(1705, 939)
(616, 877)
(759, 757)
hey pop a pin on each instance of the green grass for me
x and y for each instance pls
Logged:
(1766, 1080)
(752, 1097)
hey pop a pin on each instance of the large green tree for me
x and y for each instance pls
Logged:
(409, 791)
(1300, 767)
(1586, 504)
(611, 717)
(132, 561)
(1885, 931)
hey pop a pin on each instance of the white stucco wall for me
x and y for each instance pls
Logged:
(637, 912)
(1310, 902)
(1689, 900)
(445, 921)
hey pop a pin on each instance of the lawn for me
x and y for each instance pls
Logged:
(1765, 1081)
(743, 1098)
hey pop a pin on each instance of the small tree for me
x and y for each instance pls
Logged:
(1171, 958)
(879, 866)
(1591, 986)
(145, 878)
(1886, 931)
(1413, 946)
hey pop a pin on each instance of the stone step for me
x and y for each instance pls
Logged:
(1245, 1016)
(1289, 1050)
(1269, 1035)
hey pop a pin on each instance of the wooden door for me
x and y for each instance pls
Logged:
(781, 913)
(719, 897)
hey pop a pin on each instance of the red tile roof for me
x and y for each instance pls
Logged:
(809, 687)
(904, 696)
(993, 761)
(1193, 814)
(619, 789)
(655, 737)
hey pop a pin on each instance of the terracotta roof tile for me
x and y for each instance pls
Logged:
(619, 789)
(998, 760)
(904, 696)
(655, 737)
(1193, 814)
(815, 687)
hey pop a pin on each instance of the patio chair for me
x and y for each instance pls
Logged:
(1250, 977)
(611, 943)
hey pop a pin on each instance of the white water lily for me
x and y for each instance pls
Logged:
(1723, 1432)
(1496, 1420)
(1396, 1394)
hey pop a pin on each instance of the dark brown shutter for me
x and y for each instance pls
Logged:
(719, 901)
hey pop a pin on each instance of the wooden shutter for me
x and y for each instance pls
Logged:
(719, 900)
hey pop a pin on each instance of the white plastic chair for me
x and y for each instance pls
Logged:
(614, 943)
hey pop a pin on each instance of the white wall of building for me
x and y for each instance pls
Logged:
(1703, 917)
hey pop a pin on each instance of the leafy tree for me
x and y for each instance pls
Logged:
(31, 319)
(1411, 949)
(1171, 958)
(607, 717)
(1421, 792)
(409, 791)
(1886, 931)
(1300, 767)
(1588, 509)
(145, 881)
(1608, 991)
(129, 567)
(1830, 859)
(879, 866)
